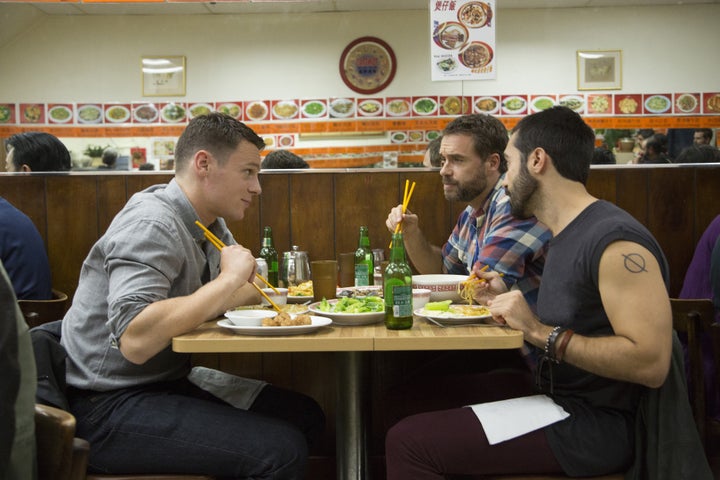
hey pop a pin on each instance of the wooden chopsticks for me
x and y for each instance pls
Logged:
(217, 243)
(406, 200)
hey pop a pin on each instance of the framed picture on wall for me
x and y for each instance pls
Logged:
(599, 69)
(163, 76)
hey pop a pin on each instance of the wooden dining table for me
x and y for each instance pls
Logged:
(351, 344)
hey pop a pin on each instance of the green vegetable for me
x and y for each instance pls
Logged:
(313, 108)
(425, 105)
(353, 305)
(443, 306)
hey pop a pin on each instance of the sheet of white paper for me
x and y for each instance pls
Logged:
(514, 417)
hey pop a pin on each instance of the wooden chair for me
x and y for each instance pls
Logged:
(695, 317)
(62, 456)
(37, 312)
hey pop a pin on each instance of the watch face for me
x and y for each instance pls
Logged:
(367, 65)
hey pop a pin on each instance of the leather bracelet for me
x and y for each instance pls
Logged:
(560, 351)
(550, 342)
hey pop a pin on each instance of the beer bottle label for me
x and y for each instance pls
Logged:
(402, 300)
(362, 275)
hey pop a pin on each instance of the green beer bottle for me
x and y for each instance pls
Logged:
(364, 267)
(270, 255)
(397, 288)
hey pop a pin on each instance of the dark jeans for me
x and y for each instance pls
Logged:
(448, 441)
(176, 427)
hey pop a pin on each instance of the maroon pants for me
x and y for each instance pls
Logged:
(448, 440)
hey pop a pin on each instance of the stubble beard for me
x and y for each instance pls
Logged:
(523, 190)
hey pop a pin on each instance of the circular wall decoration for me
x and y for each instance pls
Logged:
(367, 65)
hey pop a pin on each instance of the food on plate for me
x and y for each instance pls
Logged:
(33, 113)
(713, 103)
(342, 107)
(573, 103)
(453, 105)
(117, 114)
(398, 107)
(416, 136)
(432, 135)
(447, 64)
(514, 104)
(486, 104)
(199, 109)
(451, 35)
(447, 309)
(425, 106)
(359, 292)
(287, 308)
(173, 112)
(231, 109)
(657, 103)
(476, 55)
(600, 104)
(543, 103)
(475, 14)
(285, 109)
(146, 113)
(398, 137)
(60, 113)
(686, 102)
(353, 305)
(314, 109)
(5, 113)
(370, 107)
(284, 319)
(303, 290)
(89, 114)
(628, 105)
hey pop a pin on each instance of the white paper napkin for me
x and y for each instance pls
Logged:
(514, 417)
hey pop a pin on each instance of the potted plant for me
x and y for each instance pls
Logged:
(95, 151)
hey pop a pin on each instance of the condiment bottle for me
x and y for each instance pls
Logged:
(270, 255)
(364, 260)
(397, 288)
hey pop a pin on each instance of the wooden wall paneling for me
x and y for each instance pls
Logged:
(633, 193)
(671, 219)
(602, 184)
(112, 196)
(312, 215)
(436, 216)
(27, 194)
(707, 188)
(137, 182)
(275, 208)
(247, 231)
(365, 199)
(72, 213)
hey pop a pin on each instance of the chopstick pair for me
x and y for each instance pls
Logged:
(406, 200)
(217, 243)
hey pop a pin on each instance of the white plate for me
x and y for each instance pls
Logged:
(477, 109)
(294, 308)
(342, 108)
(89, 114)
(535, 100)
(361, 292)
(449, 318)
(256, 111)
(398, 137)
(370, 108)
(573, 102)
(197, 109)
(314, 104)
(173, 113)
(341, 318)
(686, 103)
(146, 113)
(518, 100)
(317, 323)
(117, 114)
(60, 110)
(299, 298)
(427, 101)
(664, 104)
(398, 108)
(285, 110)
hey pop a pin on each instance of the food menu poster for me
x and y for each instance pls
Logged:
(462, 40)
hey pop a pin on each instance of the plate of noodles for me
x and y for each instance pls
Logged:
(456, 314)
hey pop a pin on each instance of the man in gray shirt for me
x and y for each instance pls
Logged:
(153, 276)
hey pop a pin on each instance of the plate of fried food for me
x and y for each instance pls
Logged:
(280, 324)
(448, 313)
(300, 293)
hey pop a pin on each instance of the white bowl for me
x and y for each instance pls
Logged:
(421, 296)
(279, 298)
(248, 318)
(441, 286)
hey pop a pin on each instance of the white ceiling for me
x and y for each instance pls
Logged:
(310, 6)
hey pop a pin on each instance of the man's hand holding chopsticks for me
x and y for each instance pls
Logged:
(408, 219)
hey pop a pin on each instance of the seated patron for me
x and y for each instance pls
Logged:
(36, 152)
(432, 156)
(153, 276)
(702, 136)
(283, 159)
(109, 158)
(616, 313)
(699, 154)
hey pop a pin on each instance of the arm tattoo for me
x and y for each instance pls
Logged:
(634, 263)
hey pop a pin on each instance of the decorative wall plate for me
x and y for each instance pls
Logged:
(367, 65)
